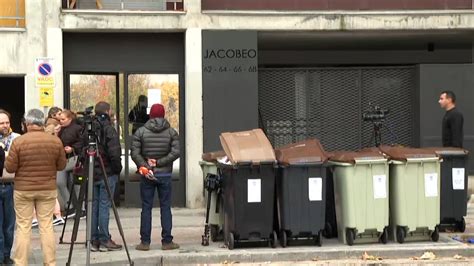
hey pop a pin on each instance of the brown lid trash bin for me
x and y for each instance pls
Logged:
(247, 147)
(303, 152)
(353, 156)
(443, 151)
(212, 156)
(399, 153)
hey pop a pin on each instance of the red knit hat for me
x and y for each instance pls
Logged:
(157, 110)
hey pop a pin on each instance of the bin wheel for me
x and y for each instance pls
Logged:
(401, 234)
(231, 241)
(214, 232)
(318, 239)
(350, 236)
(327, 230)
(283, 239)
(384, 236)
(435, 234)
(273, 240)
(462, 225)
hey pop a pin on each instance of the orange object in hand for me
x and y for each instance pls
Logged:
(143, 170)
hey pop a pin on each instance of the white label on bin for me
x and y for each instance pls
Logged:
(315, 188)
(431, 185)
(458, 178)
(254, 190)
(380, 186)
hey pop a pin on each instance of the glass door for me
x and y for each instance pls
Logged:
(86, 90)
(144, 90)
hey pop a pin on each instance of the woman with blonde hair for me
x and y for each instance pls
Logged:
(71, 137)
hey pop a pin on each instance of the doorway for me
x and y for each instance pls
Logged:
(13, 99)
(149, 64)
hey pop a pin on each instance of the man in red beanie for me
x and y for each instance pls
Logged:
(154, 148)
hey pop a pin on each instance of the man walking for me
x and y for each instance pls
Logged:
(35, 158)
(154, 148)
(452, 127)
(110, 152)
(7, 211)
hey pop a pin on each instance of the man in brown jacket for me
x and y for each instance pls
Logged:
(35, 157)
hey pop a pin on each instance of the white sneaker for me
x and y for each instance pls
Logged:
(34, 223)
(58, 221)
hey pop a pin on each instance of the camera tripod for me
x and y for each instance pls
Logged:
(377, 132)
(73, 197)
(92, 153)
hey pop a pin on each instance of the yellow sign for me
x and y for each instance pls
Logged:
(45, 81)
(46, 97)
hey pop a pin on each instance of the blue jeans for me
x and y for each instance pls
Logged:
(147, 192)
(100, 209)
(7, 220)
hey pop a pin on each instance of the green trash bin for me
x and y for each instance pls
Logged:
(216, 212)
(414, 193)
(361, 196)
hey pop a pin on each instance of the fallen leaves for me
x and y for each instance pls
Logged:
(366, 256)
(230, 262)
(425, 256)
(459, 257)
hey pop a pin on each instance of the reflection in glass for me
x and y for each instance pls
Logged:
(156, 88)
(144, 90)
(87, 90)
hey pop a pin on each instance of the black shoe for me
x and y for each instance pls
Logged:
(8, 261)
(95, 245)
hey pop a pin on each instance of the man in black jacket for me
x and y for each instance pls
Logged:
(154, 148)
(110, 152)
(453, 120)
(138, 115)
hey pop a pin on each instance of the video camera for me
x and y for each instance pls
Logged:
(88, 121)
(375, 113)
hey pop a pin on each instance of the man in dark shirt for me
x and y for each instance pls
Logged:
(452, 129)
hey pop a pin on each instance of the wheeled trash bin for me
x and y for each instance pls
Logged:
(301, 191)
(414, 193)
(454, 186)
(249, 188)
(361, 196)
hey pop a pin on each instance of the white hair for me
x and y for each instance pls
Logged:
(34, 117)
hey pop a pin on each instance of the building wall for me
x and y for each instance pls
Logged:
(334, 4)
(46, 22)
(19, 47)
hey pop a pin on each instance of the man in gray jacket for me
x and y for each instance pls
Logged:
(154, 148)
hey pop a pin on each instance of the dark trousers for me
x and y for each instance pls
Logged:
(7, 220)
(147, 192)
(101, 209)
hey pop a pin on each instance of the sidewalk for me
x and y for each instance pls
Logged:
(188, 228)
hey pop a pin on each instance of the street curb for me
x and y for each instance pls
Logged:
(279, 255)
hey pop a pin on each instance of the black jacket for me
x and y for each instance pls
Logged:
(138, 116)
(109, 148)
(72, 136)
(452, 129)
(156, 140)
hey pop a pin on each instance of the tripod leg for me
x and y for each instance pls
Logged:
(395, 138)
(77, 219)
(205, 237)
(111, 198)
(65, 220)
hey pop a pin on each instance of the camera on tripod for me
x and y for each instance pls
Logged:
(87, 120)
(375, 113)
